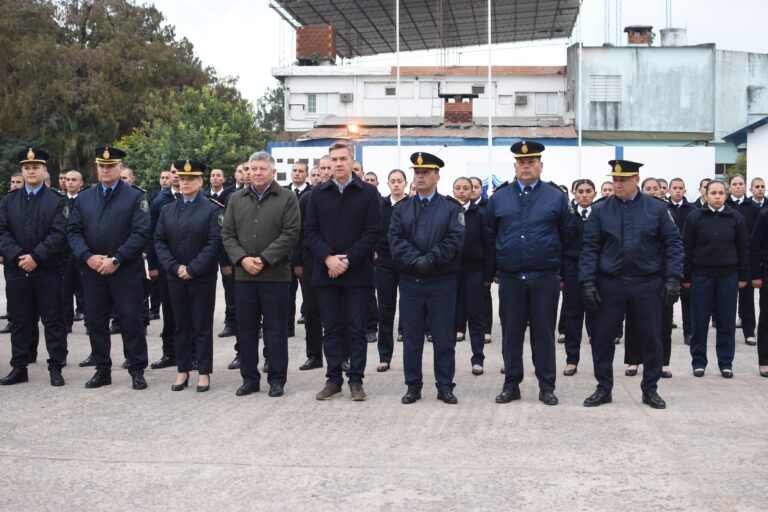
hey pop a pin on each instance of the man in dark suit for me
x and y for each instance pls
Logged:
(300, 186)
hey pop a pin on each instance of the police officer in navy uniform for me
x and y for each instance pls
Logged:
(107, 231)
(33, 245)
(631, 263)
(426, 237)
(188, 245)
(530, 224)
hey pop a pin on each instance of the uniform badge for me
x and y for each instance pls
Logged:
(144, 205)
(524, 149)
(461, 219)
(30, 154)
(221, 220)
(105, 155)
(65, 211)
(617, 168)
(419, 160)
(187, 167)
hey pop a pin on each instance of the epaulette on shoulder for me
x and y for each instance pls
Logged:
(561, 188)
(596, 201)
(86, 187)
(662, 199)
(59, 192)
(406, 198)
(12, 191)
(454, 200)
(139, 188)
(501, 186)
(214, 201)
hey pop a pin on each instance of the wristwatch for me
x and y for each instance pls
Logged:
(116, 262)
(345, 261)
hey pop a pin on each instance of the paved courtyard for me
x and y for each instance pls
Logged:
(114, 448)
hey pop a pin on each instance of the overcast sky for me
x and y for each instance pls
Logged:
(245, 38)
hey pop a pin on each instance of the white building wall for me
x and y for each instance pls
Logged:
(757, 152)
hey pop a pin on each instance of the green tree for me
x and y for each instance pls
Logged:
(212, 124)
(270, 112)
(740, 167)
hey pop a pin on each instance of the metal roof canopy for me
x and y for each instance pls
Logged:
(367, 27)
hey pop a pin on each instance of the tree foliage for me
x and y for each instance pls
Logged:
(270, 110)
(209, 124)
(740, 167)
(79, 73)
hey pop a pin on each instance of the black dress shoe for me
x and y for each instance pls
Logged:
(630, 372)
(687, 339)
(666, 374)
(447, 397)
(653, 399)
(17, 376)
(345, 366)
(88, 361)
(6, 329)
(570, 372)
(4, 316)
(507, 395)
(266, 365)
(235, 364)
(698, 372)
(57, 379)
(548, 398)
(139, 382)
(411, 396)
(226, 332)
(301, 320)
(99, 379)
(561, 338)
(291, 333)
(763, 374)
(429, 337)
(114, 329)
(69, 329)
(180, 387)
(163, 362)
(371, 337)
(124, 366)
(247, 388)
(311, 363)
(154, 316)
(382, 367)
(727, 373)
(276, 390)
(599, 397)
(502, 370)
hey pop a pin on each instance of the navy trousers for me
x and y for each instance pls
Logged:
(313, 326)
(639, 298)
(193, 304)
(522, 301)
(122, 291)
(428, 302)
(469, 294)
(387, 280)
(574, 314)
(747, 310)
(169, 317)
(267, 301)
(344, 311)
(71, 285)
(32, 296)
(718, 294)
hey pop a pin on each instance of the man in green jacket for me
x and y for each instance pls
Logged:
(260, 228)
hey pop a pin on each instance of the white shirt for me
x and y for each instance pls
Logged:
(582, 210)
(71, 196)
(294, 188)
(718, 210)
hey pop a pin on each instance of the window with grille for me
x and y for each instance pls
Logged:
(605, 88)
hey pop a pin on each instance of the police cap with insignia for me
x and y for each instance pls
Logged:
(624, 168)
(189, 167)
(525, 149)
(32, 155)
(107, 155)
(423, 160)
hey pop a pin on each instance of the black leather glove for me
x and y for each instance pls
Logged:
(422, 265)
(671, 291)
(590, 296)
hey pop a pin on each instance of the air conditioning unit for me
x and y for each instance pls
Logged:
(346, 97)
(521, 99)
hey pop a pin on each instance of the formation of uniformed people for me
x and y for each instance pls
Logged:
(621, 262)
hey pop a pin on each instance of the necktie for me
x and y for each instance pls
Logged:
(527, 189)
(107, 193)
(584, 214)
(424, 202)
(297, 191)
(215, 195)
(30, 196)
(177, 195)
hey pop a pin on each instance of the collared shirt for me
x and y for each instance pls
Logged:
(532, 185)
(187, 201)
(298, 189)
(392, 200)
(720, 210)
(217, 193)
(738, 200)
(637, 193)
(259, 195)
(677, 204)
(429, 199)
(33, 192)
(69, 196)
(342, 186)
(582, 210)
(113, 187)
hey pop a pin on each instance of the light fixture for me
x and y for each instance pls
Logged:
(353, 129)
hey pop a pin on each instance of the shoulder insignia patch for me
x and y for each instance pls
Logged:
(144, 205)
(462, 221)
(65, 211)
(221, 220)
(455, 200)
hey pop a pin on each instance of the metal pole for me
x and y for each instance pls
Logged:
(491, 103)
(397, 86)
(581, 88)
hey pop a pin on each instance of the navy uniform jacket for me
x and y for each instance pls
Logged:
(636, 238)
(435, 230)
(680, 213)
(223, 195)
(190, 234)
(345, 223)
(36, 227)
(530, 239)
(477, 251)
(300, 250)
(118, 227)
(748, 208)
(382, 246)
(164, 197)
(758, 247)
(573, 251)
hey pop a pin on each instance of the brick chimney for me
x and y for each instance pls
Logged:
(316, 44)
(458, 109)
(639, 35)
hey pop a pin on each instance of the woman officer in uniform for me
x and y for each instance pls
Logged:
(188, 245)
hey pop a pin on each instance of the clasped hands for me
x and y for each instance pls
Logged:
(101, 264)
